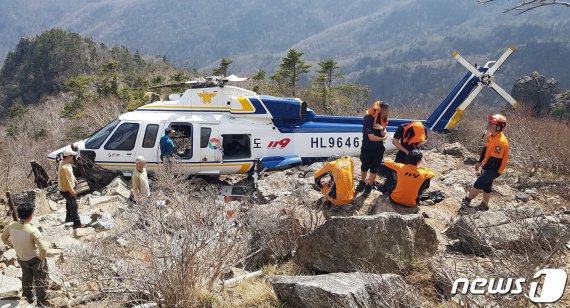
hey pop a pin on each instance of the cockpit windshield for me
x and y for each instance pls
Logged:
(96, 140)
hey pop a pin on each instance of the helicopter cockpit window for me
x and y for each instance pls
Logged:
(182, 140)
(96, 140)
(124, 138)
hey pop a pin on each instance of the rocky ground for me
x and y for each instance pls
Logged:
(359, 261)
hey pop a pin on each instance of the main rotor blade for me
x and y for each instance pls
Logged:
(175, 85)
(504, 94)
(501, 60)
(465, 63)
(471, 97)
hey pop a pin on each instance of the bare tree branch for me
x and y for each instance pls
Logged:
(527, 5)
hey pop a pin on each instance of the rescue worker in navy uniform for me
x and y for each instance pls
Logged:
(493, 159)
(408, 137)
(372, 150)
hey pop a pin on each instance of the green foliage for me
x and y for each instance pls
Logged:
(79, 85)
(18, 110)
(290, 69)
(259, 76)
(327, 73)
(222, 69)
(72, 109)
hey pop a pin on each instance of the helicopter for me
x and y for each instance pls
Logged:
(225, 129)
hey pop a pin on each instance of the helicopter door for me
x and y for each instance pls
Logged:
(185, 144)
(120, 148)
(148, 145)
(210, 143)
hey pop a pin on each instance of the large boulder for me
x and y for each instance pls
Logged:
(535, 92)
(512, 229)
(344, 290)
(9, 286)
(37, 197)
(383, 243)
(117, 187)
(456, 149)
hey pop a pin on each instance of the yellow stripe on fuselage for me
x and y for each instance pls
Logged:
(244, 167)
(246, 105)
(454, 118)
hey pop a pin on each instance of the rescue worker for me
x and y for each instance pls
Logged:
(408, 137)
(336, 181)
(372, 150)
(167, 146)
(139, 180)
(31, 251)
(493, 160)
(411, 182)
(66, 184)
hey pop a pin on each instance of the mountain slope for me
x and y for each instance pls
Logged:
(387, 45)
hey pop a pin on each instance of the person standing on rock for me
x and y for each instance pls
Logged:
(372, 150)
(66, 184)
(493, 159)
(141, 188)
(31, 251)
(411, 183)
(408, 137)
(167, 146)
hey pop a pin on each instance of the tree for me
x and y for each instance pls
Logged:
(290, 69)
(327, 72)
(325, 76)
(260, 76)
(526, 5)
(222, 69)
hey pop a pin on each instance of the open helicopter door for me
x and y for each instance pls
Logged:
(210, 148)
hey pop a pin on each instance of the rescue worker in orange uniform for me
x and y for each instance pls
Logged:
(493, 159)
(408, 137)
(372, 150)
(412, 180)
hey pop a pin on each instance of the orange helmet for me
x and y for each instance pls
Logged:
(498, 119)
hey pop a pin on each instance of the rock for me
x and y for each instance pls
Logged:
(536, 93)
(53, 205)
(117, 187)
(122, 242)
(9, 286)
(57, 302)
(386, 242)
(9, 303)
(9, 257)
(53, 252)
(3, 247)
(470, 160)
(55, 275)
(344, 290)
(456, 149)
(95, 201)
(514, 229)
(13, 271)
(96, 194)
(521, 196)
(83, 232)
(37, 197)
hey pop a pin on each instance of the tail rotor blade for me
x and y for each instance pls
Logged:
(504, 94)
(465, 63)
(501, 60)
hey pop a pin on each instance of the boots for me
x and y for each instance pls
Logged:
(367, 191)
(482, 206)
(360, 187)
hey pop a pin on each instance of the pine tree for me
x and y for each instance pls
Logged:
(222, 69)
(290, 69)
(325, 76)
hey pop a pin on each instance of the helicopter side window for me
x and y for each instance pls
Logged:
(182, 140)
(205, 136)
(124, 138)
(149, 138)
(96, 139)
(236, 146)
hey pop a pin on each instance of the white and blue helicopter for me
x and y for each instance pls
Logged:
(222, 129)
